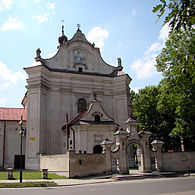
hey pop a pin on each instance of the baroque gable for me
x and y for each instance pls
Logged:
(76, 54)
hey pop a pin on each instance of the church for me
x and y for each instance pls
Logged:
(76, 119)
(74, 100)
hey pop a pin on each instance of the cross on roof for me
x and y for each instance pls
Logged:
(78, 26)
(62, 27)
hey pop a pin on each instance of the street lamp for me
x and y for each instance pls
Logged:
(21, 134)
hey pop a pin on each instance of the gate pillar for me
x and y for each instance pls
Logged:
(122, 135)
(157, 145)
(107, 144)
(144, 139)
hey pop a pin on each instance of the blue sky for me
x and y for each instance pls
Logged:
(121, 28)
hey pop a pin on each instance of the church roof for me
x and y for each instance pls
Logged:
(79, 116)
(114, 73)
(12, 114)
(79, 36)
(76, 119)
(82, 120)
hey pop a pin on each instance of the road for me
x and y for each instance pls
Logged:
(172, 186)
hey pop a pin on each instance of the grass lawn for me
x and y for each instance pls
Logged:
(27, 184)
(29, 175)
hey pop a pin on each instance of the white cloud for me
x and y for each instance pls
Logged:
(5, 4)
(156, 46)
(133, 12)
(97, 35)
(135, 89)
(42, 18)
(7, 77)
(12, 24)
(3, 101)
(4, 84)
(51, 5)
(37, 1)
(145, 67)
(164, 33)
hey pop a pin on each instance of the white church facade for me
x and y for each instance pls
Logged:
(63, 87)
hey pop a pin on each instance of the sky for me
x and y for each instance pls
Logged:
(120, 28)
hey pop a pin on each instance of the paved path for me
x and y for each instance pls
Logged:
(102, 179)
(163, 186)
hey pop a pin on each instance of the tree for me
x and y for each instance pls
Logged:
(132, 96)
(155, 113)
(177, 58)
(181, 13)
(144, 107)
(168, 110)
(176, 62)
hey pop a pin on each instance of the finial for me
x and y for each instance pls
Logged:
(62, 27)
(38, 54)
(119, 61)
(95, 96)
(63, 39)
(78, 26)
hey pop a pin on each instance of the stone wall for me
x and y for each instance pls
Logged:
(178, 161)
(75, 165)
(82, 165)
(55, 163)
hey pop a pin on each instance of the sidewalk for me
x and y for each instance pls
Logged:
(103, 179)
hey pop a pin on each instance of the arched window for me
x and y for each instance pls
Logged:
(97, 149)
(82, 105)
(80, 69)
(97, 117)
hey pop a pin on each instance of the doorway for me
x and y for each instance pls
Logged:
(97, 149)
(135, 158)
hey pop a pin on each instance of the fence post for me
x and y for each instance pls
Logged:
(9, 173)
(45, 173)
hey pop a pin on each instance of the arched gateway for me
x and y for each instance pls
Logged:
(123, 155)
(141, 140)
(135, 155)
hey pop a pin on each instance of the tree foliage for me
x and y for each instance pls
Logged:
(181, 13)
(156, 114)
(168, 110)
(177, 58)
(176, 62)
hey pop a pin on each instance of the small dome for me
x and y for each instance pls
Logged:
(63, 39)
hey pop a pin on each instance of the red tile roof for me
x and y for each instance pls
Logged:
(79, 116)
(76, 119)
(12, 114)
